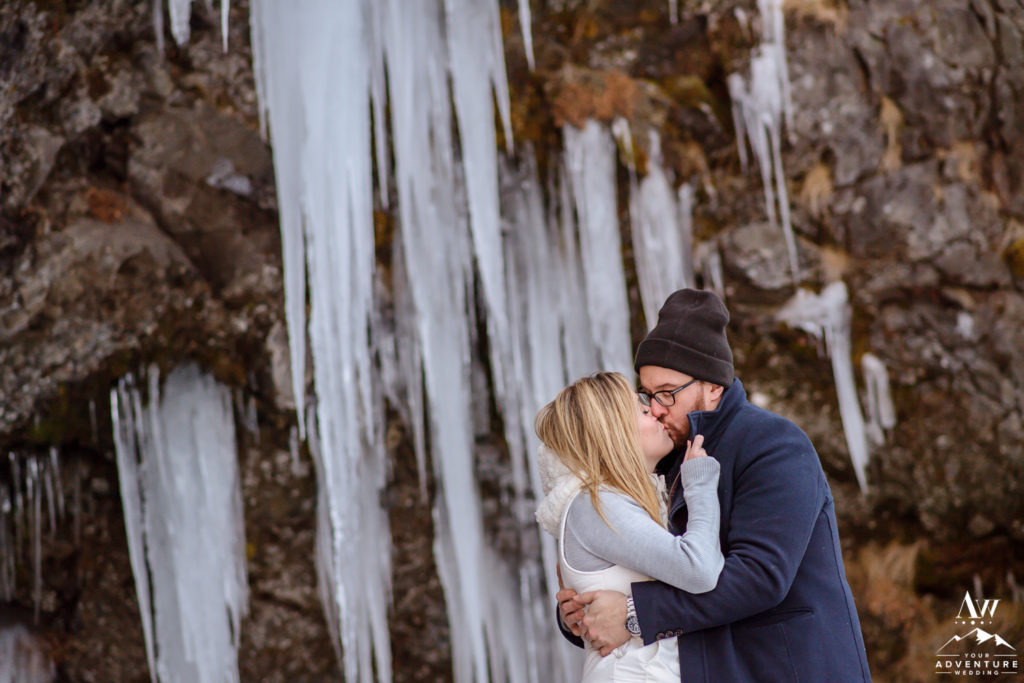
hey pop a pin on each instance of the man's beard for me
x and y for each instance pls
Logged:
(680, 436)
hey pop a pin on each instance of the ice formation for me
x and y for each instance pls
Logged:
(180, 12)
(31, 504)
(339, 85)
(552, 345)
(590, 162)
(23, 657)
(527, 29)
(827, 317)
(662, 236)
(314, 65)
(181, 494)
(880, 409)
(759, 111)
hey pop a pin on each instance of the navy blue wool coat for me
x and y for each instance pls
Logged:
(782, 610)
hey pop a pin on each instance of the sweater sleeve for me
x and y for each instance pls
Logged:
(690, 562)
(778, 498)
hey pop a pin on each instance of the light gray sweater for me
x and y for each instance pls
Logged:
(691, 562)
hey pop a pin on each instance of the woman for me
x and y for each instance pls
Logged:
(600, 440)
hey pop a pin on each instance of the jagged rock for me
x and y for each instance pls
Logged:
(837, 116)
(757, 253)
(84, 294)
(199, 169)
(934, 60)
(29, 155)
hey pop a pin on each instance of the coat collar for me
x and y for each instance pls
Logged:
(713, 423)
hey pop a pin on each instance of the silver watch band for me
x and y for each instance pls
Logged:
(632, 623)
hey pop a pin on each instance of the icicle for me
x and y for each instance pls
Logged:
(827, 317)
(527, 29)
(225, 8)
(579, 346)
(774, 28)
(19, 506)
(540, 271)
(658, 240)
(180, 12)
(34, 499)
(158, 24)
(181, 493)
(880, 409)
(438, 281)
(23, 657)
(8, 548)
(315, 69)
(590, 160)
(758, 116)
(738, 94)
(276, 33)
(476, 62)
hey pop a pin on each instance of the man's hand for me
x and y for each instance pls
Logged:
(570, 609)
(605, 622)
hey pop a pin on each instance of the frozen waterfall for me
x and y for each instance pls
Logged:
(180, 489)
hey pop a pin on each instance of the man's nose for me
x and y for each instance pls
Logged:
(658, 410)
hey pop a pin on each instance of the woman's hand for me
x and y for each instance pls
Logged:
(695, 448)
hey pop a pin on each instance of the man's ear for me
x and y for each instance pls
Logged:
(713, 391)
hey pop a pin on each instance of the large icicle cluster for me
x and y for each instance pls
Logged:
(180, 489)
(555, 274)
(827, 317)
(760, 106)
(35, 494)
(320, 70)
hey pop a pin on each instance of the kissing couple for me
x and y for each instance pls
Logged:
(697, 536)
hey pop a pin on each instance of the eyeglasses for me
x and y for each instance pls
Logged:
(665, 397)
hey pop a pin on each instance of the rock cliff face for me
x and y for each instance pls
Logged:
(138, 225)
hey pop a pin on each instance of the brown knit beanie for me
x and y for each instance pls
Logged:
(690, 338)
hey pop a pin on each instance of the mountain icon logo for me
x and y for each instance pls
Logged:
(973, 640)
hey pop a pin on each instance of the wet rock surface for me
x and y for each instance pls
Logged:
(138, 225)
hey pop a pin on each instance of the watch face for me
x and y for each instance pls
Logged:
(633, 625)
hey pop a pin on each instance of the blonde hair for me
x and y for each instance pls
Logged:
(592, 427)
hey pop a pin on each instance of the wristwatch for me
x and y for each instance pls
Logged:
(632, 623)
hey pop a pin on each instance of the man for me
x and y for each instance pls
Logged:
(782, 610)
